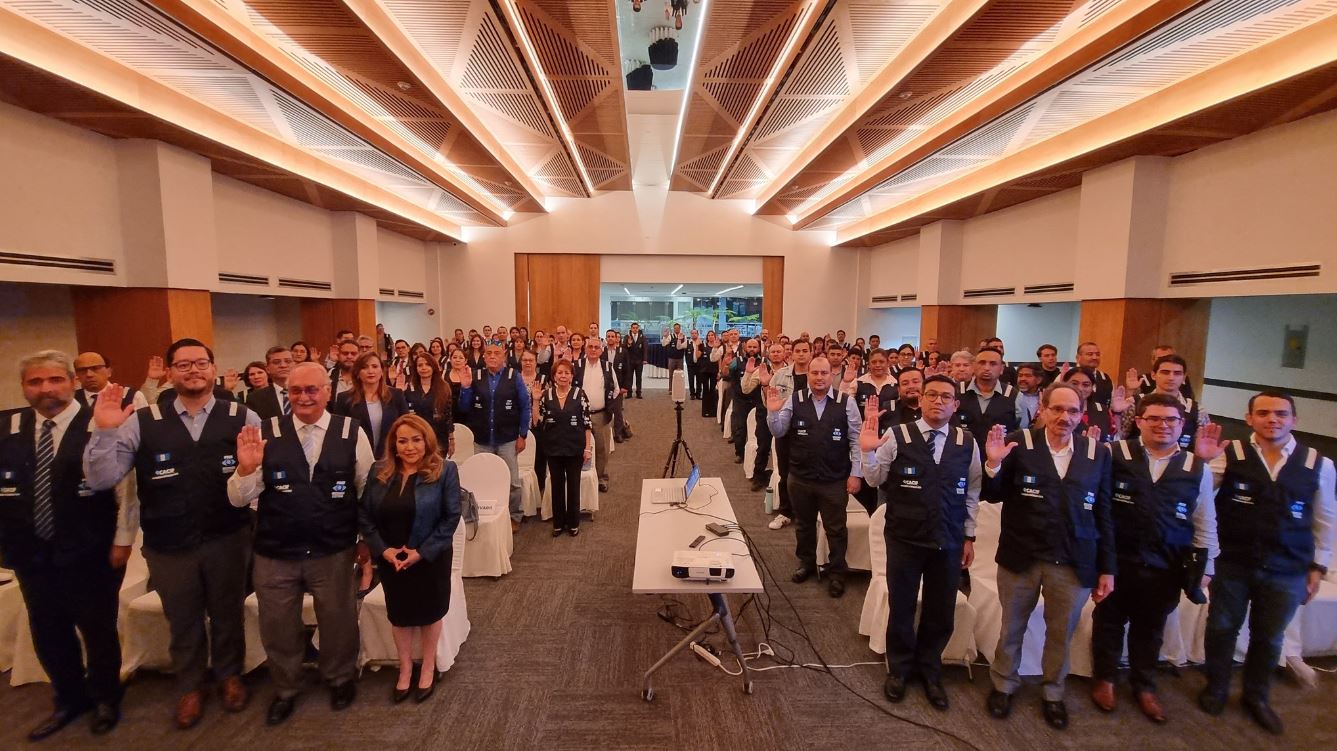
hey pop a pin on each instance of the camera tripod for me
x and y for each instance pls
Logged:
(671, 464)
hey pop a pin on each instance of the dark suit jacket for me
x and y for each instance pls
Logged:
(265, 402)
(392, 410)
(435, 517)
(621, 366)
(635, 347)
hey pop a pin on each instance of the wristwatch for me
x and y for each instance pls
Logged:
(1322, 570)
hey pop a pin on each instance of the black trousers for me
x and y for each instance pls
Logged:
(540, 460)
(782, 466)
(693, 380)
(738, 428)
(565, 471)
(634, 382)
(1143, 598)
(830, 500)
(710, 395)
(867, 497)
(759, 468)
(910, 650)
(728, 400)
(64, 604)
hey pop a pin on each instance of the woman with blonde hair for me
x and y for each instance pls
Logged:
(408, 517)
(372, 402)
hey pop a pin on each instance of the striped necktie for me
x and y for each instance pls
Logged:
(309, 445)
(933, 444)
(283, 399)
(44, 512)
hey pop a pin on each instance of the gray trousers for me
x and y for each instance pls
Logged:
(1018, 594)
(279, 586)
(599, 421)
(207, 581)
(507, 452)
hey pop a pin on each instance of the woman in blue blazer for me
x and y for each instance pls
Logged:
(372, 402)
(408, 516)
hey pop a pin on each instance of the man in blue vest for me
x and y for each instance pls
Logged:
(1275, 515)
(1163, 510)
(930, 474)
(196, 543)
(985, 401)
(307, 470)
(56, 533)
(497, 406)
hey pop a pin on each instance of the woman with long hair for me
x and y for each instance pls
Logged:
(256, 377)
(517, 350)
(300, 352)
(568, 443)
(458, 375)
(408, 517)
(374, 403)
(474, 352)
(437, 349)
(428, 395)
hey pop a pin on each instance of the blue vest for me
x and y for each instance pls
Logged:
(926, 500)
(495, 416)
(302, 514)
(1153, 521)
(1264, 522)
(886, 400)
(819, 448)
(1002, 410)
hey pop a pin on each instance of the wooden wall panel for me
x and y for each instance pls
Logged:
(322, 318)
(1127, 329)
(563, 289)
(957, 326)
(773, 293)
(522, 290)
(129, 325)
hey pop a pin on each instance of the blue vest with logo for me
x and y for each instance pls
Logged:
(496, 414)
(819, 448)
(1266, 523)
(1153, 521)
(926, 500)
(301, 513)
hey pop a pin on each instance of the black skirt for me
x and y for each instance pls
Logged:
(420, 594)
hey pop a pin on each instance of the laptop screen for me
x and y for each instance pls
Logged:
(692, 480)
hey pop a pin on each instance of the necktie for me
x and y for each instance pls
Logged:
(933, 443)
(309, 444)
(283, 398)
(43, 512)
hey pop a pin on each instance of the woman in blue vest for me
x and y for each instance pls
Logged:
(408, 518)
(567, 439)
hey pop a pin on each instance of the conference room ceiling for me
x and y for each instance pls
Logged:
(868, 118)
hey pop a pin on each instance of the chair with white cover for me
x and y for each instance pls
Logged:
(589, 495)
(489, 479)
(750, 448)
(464, 444)
(11, 613)
(378, 641)
(857, 557)
(726, 424)
(877, 608)
(531, 496)
(719, 407)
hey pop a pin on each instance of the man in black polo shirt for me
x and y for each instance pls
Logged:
(307, 469)
(195, 542)
(930, 474)
(56, 533)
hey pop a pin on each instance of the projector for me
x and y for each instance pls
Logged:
(698, 565)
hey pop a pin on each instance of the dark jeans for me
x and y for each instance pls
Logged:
(738, 429)
(1142, 599)
(710, 395)
(693, 380)
(634, 382)
(782, 466)
(830, 500)
(207, 581)
(565, 471)
(940, 573)
(1274, 598)
(64, 604)
(759, 468)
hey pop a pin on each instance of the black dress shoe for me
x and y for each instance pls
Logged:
(1212, 702)
(279, 710)
(557, 531)
(737, 459)
(1056, 714)
(801, 574)
(54, 724)
(835, 586)
(1262, 713)
(573, 531)
(894, 688)
(937, 695)
(421, 695)
(105, 717)
(1000, 704)
(342, 696)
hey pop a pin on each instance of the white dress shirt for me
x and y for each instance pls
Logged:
(1062, 457)
(593, 385)
(242, 491)
(877, 465)
(127, 501)
(138, 401)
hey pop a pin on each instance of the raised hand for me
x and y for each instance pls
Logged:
(996, 446)
(1119, 401)
(1093, 433)
(107, 411)
(1208, 444)
(250, 450)
(313, 354)
(157, 370)
(750, 366)
(766, 375)
(868, 437)
(400, 379)
(850, 373)
(1131, 380)
(775, 401)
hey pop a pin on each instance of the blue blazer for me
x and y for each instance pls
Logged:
(436, 514)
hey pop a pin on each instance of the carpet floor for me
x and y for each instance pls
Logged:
(559, 646)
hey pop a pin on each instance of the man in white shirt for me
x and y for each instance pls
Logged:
(94, 374)
(595, 377)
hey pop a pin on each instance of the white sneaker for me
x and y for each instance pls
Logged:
(781, 520)
(1302, 672)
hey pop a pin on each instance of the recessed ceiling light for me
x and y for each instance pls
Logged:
(728, 289)
(404, 85)
(675, 290)
(905, 95)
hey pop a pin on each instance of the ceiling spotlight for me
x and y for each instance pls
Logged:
(624, 289)
(905, 95)
(404, 85)
(675, 290)
(793, 218)
(507, 214)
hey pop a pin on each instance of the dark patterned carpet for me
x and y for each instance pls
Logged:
(559, 646)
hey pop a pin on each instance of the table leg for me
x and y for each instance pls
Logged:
(648, 692)
(722, 610)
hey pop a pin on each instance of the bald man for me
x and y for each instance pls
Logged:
(93, 372)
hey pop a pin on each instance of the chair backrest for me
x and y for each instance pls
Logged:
(526, 458)
(457, 551)
(464, 443)
(488, 477)
(877, 542)
(988, 525)
(752, 423)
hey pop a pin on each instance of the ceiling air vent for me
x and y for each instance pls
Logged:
(1048, 289)
(411, 293)
(884, 298)
(388, 292)
(990, 292)
(230, 278)
(1298, 271)
(305, 284)
(97, 265)
(910, 297)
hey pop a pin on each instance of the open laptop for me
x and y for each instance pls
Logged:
(680, 495)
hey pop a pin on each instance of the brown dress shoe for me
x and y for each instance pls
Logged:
(235, 694)
(1102, 693)
(189, 709)
(1150, 706)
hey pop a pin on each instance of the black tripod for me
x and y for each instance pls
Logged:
(671, 465)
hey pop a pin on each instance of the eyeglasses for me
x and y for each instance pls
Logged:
(305, 390)
(1170, 421)
(185, 366)
(1069, 411)
(937, 396)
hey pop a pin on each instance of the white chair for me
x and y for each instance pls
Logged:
(726, 424)
(877, 607)
(531, 496)
(719, 406)
(750, 448)
(857, 557)
(589, 494)
(464, 444)
(489, 552)
(378, 642)
(11, 613)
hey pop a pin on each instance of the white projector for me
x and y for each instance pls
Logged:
(700, 565)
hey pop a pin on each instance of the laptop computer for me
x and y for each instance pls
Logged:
(680, 495)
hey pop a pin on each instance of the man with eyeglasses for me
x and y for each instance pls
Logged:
(1275, 516)
(929, 473)
(1057, 541)
(307, 470)
(196, 542)
(94, 374)
(273, 400)
(1164, 522)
